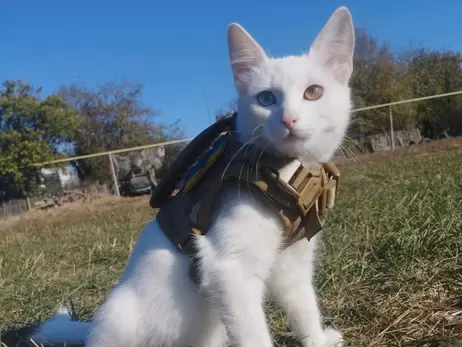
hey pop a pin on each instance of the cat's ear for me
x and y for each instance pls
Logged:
(334, 46)
(245, 55)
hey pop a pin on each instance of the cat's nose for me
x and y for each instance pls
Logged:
(289, 121)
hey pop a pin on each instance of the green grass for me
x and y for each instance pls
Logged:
(390, 271)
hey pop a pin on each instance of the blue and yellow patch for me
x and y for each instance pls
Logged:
(204, 164)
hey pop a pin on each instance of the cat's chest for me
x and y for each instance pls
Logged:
(287, 171)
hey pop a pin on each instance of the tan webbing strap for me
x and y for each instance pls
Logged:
(309, 187)
(312, 223)
(331, 186)
(305, 186)
(326, 200)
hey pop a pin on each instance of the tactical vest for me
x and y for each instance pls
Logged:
(215, 160)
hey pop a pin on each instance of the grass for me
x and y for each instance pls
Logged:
(390, 271)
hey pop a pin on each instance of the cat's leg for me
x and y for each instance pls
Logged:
(236, 258)
(116, 321)
(213, 334)
(292, 287)
(155, 304)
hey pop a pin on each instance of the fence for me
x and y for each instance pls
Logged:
(401, 102)
(53, 197)
(13, 207)
(110, 163)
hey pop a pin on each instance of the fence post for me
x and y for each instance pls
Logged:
(391, 129)
(29, 206)
(113, 173)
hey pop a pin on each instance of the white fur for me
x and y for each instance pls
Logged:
(155, 303)
(62, 328)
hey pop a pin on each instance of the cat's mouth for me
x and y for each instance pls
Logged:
(288, 145)
(293, 137)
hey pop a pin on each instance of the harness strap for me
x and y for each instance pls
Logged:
(298, 202)
(313, 191)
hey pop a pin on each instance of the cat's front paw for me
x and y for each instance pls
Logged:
(327, 338)
(333, 338)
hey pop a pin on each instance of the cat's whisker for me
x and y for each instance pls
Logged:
(239, 182)
(237, 152)
(241, 131)
(248, 176)
(355, 143)
(344, 151)
(256, 128)
(246, 144)
(357, 146)
(257, 167)
(253, 136)
(350, 152)
(248, 166)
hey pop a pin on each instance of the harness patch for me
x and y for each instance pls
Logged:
(204, 164)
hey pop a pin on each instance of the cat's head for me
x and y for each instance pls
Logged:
(298, 106)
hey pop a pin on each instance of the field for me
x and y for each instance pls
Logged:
(390, 266)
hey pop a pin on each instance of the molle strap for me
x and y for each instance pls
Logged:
(331, 187)
(314, 192)
(301, 191)
(176, 228)
(312, 223)
(309, 187)
(188, 245)
(205, 209)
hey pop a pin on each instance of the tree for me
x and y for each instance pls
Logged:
(112, 116)
(378, 78)
(381, 76)
(437, 72)
(31, 130)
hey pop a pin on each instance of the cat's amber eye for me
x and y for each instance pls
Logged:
(266, 98)
(313, 92)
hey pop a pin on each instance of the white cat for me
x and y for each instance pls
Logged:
(301, 106)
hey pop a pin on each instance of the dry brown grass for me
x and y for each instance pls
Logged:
(99, 204)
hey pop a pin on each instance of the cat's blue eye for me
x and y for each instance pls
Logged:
(266, 98)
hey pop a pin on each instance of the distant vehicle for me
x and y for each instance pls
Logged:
(136, 171)
(138, 184)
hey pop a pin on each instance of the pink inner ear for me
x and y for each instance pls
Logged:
(340, 66)
(245, 55)
(241, 77)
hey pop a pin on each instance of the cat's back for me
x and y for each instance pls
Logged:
(154, 256)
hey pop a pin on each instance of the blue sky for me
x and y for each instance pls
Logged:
(178, 49)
